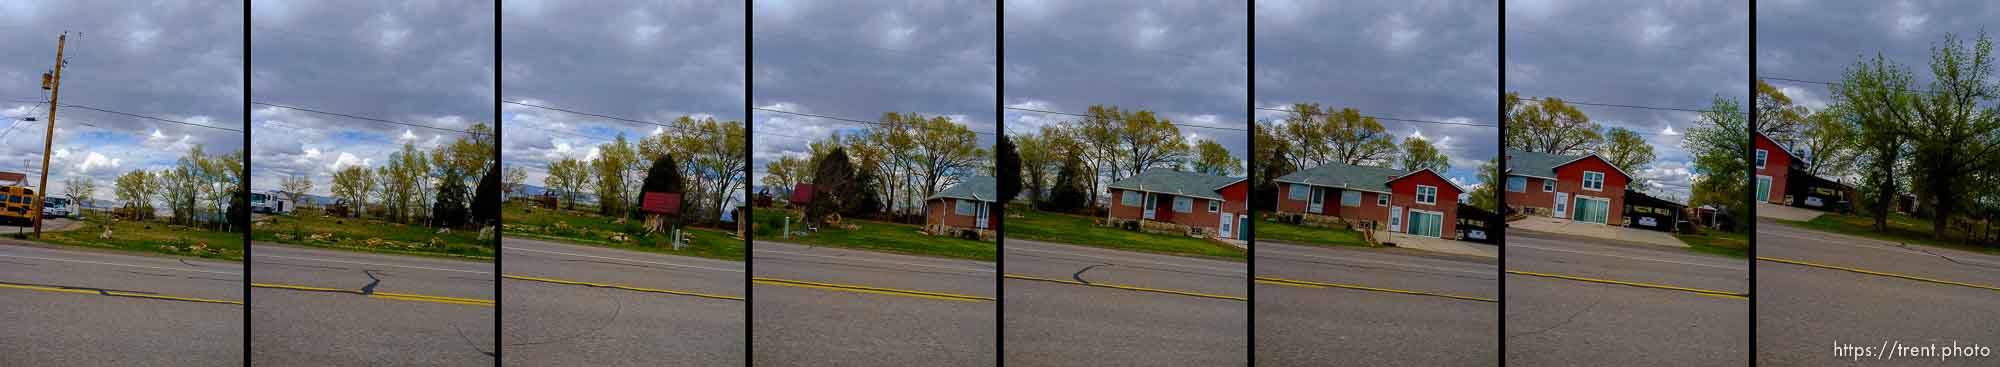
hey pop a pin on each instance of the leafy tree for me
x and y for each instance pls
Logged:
(1777, 117)
(450, 209)
(663, 175)
(1007, 172)
(1270, 158)
(1213, 159)
(612, 170)
(1628, 151)
(1955, 139)
(1036, 156)
(1420, 154)
(486, 198)
(833, 184)
(1345, 136)
(1149, 141)
(1832, 141)
(1487, 195)
(1878, 94)
(569, 177)
(136, 189)
(405, 184)
(1068, 194)
(1720, 144)
(946, 150)
(353, 184)
(1550, 126)
(866, 200)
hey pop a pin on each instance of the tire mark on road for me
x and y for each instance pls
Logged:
(1078, 275)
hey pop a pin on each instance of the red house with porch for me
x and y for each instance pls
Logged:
(1188, 203)
(1583, 188)
(1420, 202)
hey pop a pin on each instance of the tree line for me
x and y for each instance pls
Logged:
(891, 166)
(416, 186)
(1311, 136)
(705, 154)
(1063, 166)
(198, 190)
(1938, 142)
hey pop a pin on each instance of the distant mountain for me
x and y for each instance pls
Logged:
(530, 190)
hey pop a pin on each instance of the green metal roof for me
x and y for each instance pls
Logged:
(1526, 163)
(1167, 181)
(981, 188)
(1346, 176)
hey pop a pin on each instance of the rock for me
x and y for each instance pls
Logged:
(445, 230)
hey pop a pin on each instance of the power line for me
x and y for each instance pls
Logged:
(1377, 117)
(848, 119)
(1072, 42)
(367, 118)
(127, 114)
(594, 115)
(1122, 118)
(1834, 84)
(1633, 106)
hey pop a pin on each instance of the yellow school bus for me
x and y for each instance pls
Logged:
(16, 203)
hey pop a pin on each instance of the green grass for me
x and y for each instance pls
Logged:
(585, 227)
(1902, 228)
(1271, 230)
(370, 235)
(769, 225)
(153, 237)
(1076, 229)
(1718, 242)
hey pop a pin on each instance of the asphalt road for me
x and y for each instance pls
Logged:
(1306, 318)
(1139, 309)
(1804, 310)
(320, 307)
(563, 307)
(54, 315)
(818, 306)
(1572, 322)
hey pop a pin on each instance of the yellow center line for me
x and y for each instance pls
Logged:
(118, 294)
(383, 295)
(1312, 284)
(616, 286)
(867, 289)
(1127, 287)
(1705, 292)
(1877, 273)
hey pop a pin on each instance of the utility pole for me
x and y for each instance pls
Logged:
(48, 141)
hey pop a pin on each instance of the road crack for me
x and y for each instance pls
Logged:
(373, 281)
(1079, 273)
(1565, 322)
(618, 310)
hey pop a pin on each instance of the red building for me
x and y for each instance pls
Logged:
(1420, 202)
(963, 208)
(1582, 188)
(1171, 201)
(1773, 164)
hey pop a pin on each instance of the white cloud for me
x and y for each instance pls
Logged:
(95, 160)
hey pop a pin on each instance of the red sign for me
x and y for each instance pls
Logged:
(661, 202)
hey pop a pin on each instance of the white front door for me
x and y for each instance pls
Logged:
(1395, 219)
(1150, 205)
(1562, 205)
(1228, 220)
(980, 219)
(1318, 201)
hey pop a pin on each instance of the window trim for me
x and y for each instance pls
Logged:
(1548, 186)
(964, 207)
(1131, 198)
(1214, 206)
(1299, 192)
(1420, 195)
(1381, 199)
(1183, 199)
(1586, 180)
(1357, 199)
(1763, 157)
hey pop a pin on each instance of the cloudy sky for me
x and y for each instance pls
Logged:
(424, 63)
(1796, 39)
(1430, 61)
(861, 59)
(1185, 60)
(644, 60)
(1679, 54)
(179, 60)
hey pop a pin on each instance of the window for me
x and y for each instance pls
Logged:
(1427, 195)
(1350, 198)
(1131, 198)
(1183, 204)
(1300, 192)
(1517, 184)
(1381, 199)
(1593, 180)
(966, 207)
(1548, 185)
(1214, 206)
(1761, 155)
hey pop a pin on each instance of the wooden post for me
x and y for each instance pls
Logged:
(48, 140)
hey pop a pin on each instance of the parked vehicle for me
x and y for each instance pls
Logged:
(59, 208)
(270, 204)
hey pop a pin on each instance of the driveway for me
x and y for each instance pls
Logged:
(1775, 211)
(1599, 231)
(1434, 244)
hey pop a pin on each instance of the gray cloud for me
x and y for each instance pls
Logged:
(861, 59)
(1666, 54)
(179, 60)
(1425, 60)
(427, 63)
(1817, 41)
(647, 60)
(1186, 60)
